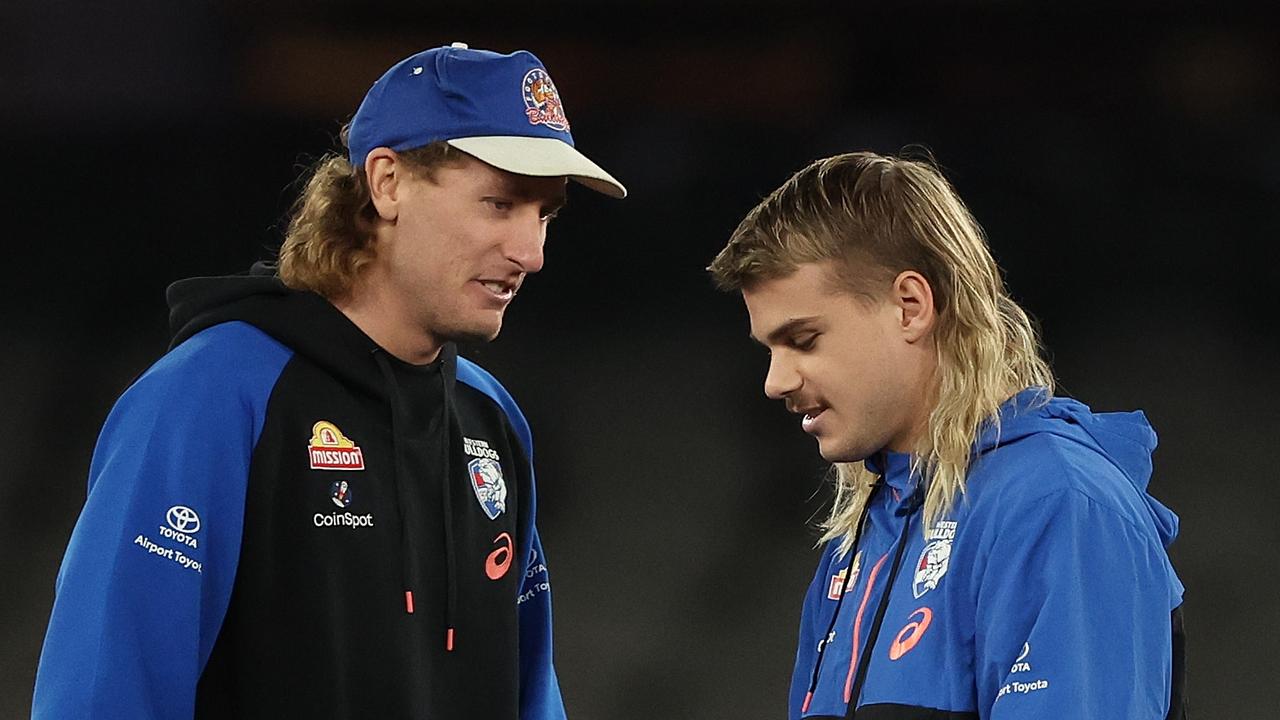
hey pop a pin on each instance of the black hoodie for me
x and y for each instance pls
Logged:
(387, 565)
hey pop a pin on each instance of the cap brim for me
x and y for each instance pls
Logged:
(540, 157)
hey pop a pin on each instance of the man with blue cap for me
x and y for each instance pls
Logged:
(311, 506)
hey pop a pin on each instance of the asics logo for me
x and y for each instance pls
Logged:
(499, 561)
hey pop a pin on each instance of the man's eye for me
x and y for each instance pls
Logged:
(499, 204)
(804, 343)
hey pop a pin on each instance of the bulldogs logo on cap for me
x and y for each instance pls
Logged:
(542, 101)
(490, 488)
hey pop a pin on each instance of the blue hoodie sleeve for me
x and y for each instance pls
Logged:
(539, 687)
(1073, 614)
(812, 625)
(147, 575)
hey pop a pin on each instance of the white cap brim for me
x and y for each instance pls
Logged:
(540, 157)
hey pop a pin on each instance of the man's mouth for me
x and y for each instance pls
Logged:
(502, 290)
(810, 416)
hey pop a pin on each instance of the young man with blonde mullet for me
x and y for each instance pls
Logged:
(992, 551)
(311, 507)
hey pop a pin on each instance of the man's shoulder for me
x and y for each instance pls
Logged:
(477, 378)
(482, 381)
(220, 358)
(218, 380)
(1045, 468)
(472, 375)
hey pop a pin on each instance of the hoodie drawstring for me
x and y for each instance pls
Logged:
(400, 477)
(908, 509)
(397, 473)
(844, 586)
(450, 549)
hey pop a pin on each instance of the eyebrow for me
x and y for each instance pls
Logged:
(785, 328)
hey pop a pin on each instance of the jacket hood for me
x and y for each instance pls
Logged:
(1126, 439)
(312, 327)
(304, 321)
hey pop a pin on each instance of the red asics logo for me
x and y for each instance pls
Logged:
(499, 561)
(911, 633)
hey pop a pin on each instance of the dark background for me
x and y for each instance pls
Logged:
(1125, 163)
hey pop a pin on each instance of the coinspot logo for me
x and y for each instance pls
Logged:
(183, 519)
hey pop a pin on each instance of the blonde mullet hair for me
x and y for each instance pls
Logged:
(332, 222)
(878, 216)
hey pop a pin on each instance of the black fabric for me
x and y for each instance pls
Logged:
(1178, 690)
(305, 322)
(317, 624)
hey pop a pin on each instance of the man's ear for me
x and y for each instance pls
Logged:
(383, 169)
(913, 296)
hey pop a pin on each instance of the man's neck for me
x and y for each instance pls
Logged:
(384, 320)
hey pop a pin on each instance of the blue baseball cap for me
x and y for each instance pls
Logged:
(501, 109)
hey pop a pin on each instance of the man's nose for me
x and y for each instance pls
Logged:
(782, 378)
(524, 247)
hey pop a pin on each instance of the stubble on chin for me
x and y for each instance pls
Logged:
(471, 335)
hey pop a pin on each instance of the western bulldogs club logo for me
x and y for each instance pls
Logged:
(542, 101)
(340, 494)
(490, 488)
(934, 559)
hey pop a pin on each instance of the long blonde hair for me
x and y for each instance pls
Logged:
(331, 228)
(880, 215)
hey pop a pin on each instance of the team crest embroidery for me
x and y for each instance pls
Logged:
(542, 101)
(340, 494)
(329, 449)
(490, 488)
(934, 559)
(837, 580)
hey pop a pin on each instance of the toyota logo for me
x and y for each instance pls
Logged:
(183, 519)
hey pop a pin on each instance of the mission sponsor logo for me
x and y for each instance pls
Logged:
(837, 580)
(485, 473)
(935, 558)
(329, 449)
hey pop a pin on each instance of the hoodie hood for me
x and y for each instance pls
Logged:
(312, 327)
(1125, 439)
(304, 321)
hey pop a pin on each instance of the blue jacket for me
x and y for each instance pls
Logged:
(1047, 593)
(283, 521)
